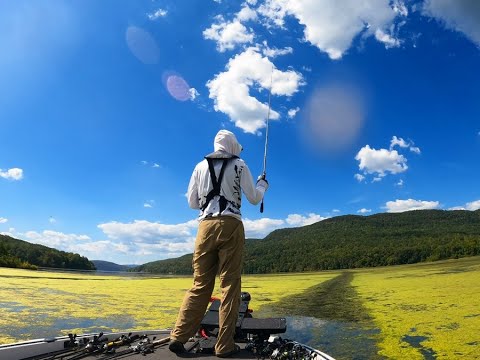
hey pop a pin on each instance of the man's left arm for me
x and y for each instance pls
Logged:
(254, 193)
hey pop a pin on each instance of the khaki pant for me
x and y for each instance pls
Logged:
(218, 248)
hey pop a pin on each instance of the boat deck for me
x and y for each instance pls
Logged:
(163, 353)
(54, 349)
(157, 348)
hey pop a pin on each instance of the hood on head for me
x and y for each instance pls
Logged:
(226, 141)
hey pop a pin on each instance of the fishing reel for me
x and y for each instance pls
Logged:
(276, 348)
(145, 346)
(96, 344)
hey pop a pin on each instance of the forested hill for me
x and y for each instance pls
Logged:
(181, 265)
(21, 254)
(355, 241)
(102, 265)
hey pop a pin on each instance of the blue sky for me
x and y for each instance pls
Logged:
(107, 106)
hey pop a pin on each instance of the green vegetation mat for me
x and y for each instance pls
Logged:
(421, 311)
(425, 311)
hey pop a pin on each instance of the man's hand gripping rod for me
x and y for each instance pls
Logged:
(264, 174)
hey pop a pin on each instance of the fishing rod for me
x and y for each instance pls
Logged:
(71, 346)
(264, 174)
(145, 346)
(75, 349)
(95, 346)
(103, 349)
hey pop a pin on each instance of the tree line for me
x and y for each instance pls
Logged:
(21, 254)
(353, 241)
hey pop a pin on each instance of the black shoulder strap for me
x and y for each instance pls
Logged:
(217, 183)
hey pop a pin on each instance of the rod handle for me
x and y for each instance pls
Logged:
(261, 207)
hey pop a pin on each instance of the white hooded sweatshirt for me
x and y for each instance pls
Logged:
(236, 178)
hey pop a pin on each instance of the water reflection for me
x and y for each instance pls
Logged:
(340, 339)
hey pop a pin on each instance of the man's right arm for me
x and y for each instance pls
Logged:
(192, 193)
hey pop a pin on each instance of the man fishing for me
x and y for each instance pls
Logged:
(216, 189)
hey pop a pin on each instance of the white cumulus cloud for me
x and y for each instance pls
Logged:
(3, 220)
(55, 239)
(259, 228)
(152, 240)
(146, 231)
(400, 8)
(12, 174)
(298, 220)
(159, 241)
(292, 112)
(359, 177)
(153, 164)
(396, 141)
(98, 249)
(472, 206)
(149, 204)
(274, 52)
(193, 93)
(246, 14)
(157, 14)
(387, 39)
(228, 34)
(381, 162)
(165, 249)
(364, 211)
(332, 25)
(410, 204)
(230, 90)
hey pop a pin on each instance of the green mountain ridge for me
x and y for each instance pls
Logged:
(354, 241)
(22, 254)
(102, 265)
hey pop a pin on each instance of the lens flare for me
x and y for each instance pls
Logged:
(334, 117)
(142, 45)
(178, 88)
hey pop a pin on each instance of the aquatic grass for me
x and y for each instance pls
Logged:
(424, 311)
(51, 304)
(40, 304)
(268, 289)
